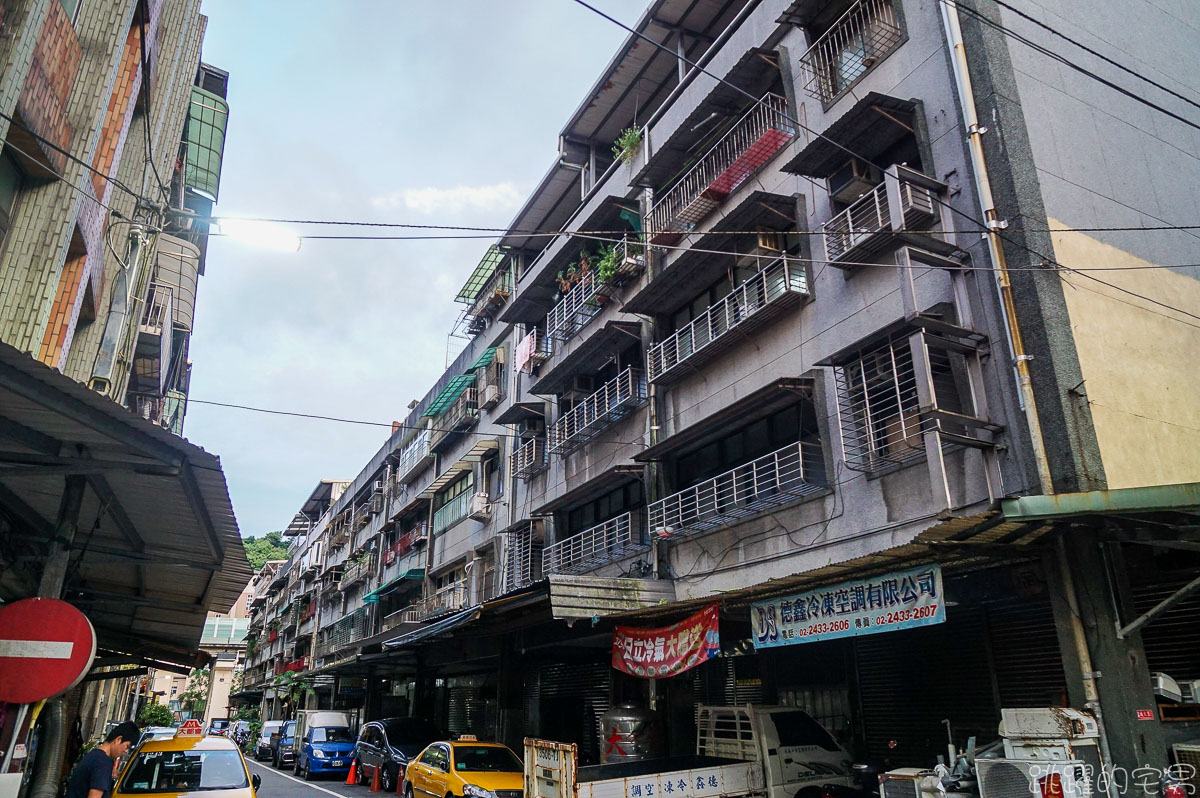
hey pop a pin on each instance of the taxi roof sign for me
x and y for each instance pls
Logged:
(467, 738)
(190, 728)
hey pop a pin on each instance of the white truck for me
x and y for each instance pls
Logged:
(740, 751)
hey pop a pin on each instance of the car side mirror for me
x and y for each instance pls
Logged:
(256, 781)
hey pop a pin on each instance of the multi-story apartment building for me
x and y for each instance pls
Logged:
(111, 132)
(855, 294)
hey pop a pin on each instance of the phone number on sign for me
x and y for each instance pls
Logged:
(899, 616)
(818, 629)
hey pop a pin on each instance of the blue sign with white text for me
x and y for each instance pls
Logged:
(901, 600)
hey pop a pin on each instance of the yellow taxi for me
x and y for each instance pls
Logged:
(465, 767)
(188, 764)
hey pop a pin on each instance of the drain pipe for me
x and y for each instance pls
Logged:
(52, 750)
(983, 186)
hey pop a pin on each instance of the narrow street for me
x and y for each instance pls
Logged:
(276, 783)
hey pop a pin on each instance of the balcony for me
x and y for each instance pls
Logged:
(356, 572)
(411, 539)
(528, 459)
(781, 285)
(450, 598)
(488, 302)
(399, 617)
(862, 37)
(295, 666)
(158, 314)
(782, 477)
(413, 456)
(451, 512)
(343, 632)
(864, 228)
(746, 148)
(594, 414)
(604, 543)
(593, 291)
(462, 414)
(533, 350)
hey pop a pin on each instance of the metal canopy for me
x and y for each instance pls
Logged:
(483, 272)
(872, 125)
(759, 209)
(394, 584)
(158, 544)
(485, 359)
(586, 356)
(473, 455)
(446, 397)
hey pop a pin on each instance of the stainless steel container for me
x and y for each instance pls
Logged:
(629, 732)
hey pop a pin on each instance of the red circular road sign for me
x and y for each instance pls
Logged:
(46, 646)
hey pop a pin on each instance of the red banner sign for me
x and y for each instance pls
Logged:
(655, 653)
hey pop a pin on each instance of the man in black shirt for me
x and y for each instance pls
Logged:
(92, 776)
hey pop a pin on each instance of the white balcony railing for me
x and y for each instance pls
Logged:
(596, 546)
(857, 230)
(157, 316)
(587, 419)
(451, 512)
(413, 454)
(861, 38)
(447, 599)
(406, 615)
(782, 477)
(747, 147)
(780, 285)
(534, 349)
(528, 459)
(589, 296)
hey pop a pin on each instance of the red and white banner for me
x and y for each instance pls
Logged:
(655, 653)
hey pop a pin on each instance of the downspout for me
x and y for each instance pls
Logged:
(983, 186)
(51, 750)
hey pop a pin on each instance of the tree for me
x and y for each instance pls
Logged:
(269, 547)
(155, 714)
(195, 696)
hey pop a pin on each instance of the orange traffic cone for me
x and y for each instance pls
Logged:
(353, 774)
(400, 782)
(375, 779)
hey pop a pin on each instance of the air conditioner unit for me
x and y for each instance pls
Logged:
(852, 180)
(480, 508)
(768, 240)
(491, 396)
(1019, 778)
(531, 427)
(1187, 760)
(378, 486)
(582, 384)
(376, 504)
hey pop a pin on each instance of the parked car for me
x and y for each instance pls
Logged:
(263, 746)
(218, 726)
(389, 744)
(465, 767)
(191, 765)
(324, 749)
(155, 733)
(281, 746)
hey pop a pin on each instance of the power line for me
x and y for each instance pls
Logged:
(857, 156)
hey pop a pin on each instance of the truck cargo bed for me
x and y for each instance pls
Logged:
(640, 767)
(673, 777)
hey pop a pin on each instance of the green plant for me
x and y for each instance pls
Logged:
(606, 264)
(292, 688)
(155, 714)
(626, 146)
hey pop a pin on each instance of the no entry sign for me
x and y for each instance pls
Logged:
(46, 646)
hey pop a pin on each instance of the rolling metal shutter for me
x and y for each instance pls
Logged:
(1025, 654)
(1172, 639)
(577, 694)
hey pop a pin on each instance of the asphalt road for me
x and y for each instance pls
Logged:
(282, 784)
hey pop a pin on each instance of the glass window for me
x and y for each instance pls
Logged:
(190, 771)
(486, 757)
(332, 734)
(464, 484)
(798, 729)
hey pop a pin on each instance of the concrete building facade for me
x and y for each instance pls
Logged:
(861, 287)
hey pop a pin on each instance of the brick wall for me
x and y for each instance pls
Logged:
(42, 104)
(120, 110)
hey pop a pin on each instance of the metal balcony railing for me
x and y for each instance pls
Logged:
(447, 599)
(781, 477)
(490, 299)
(410, 539)
(157, 316)
(860, 229)
(356, 572)
(577, 307)
(406, 615)
(528, 459)
(592, 415)
(534, 349)
(862, 37)
(779, 286)
(451, 512)
(747, 147)
(596, 546)
(460, 415)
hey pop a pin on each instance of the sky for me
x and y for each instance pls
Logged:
(406, 111)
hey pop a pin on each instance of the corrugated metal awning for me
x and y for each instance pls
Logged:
(473, 455)
(480, 275)
(596, 597)
(446, 397)
(485, 359)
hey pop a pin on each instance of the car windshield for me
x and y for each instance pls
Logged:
(486, 757)
(332, 734)
(220, 724)
(288, 728)
(184, 771)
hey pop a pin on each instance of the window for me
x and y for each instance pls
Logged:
(789, 425)
(72, 9)
(463, 484)
(332, 734)
(184, 771)
(612, 504)
(798, 729)
(486, 758)
(493, 475)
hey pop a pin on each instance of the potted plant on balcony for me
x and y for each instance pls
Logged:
(626, 146)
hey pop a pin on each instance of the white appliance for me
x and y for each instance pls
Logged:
(1052, 734)
(1036, 778)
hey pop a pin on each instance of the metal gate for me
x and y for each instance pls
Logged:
(572, 696)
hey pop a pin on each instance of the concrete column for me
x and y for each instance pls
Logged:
(54, 572)
(1122, 676)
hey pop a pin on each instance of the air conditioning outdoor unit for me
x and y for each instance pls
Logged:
(582, 384)
(1187, 758)
(1022, 778)
(376, 504)
(491, 396)
(480, 508)
(852, 180)
(378, 486)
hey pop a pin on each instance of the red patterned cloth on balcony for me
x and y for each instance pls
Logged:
(749, 162)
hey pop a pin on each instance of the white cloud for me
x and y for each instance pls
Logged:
(442, 200)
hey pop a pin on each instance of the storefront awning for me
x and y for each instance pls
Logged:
(158, 545)
(444, 626)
